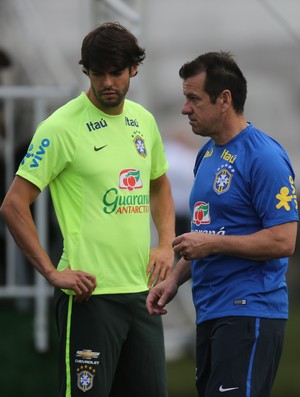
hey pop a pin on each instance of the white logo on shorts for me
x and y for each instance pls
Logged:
(223, 389)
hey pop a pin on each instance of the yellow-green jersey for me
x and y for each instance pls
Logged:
(98, 168)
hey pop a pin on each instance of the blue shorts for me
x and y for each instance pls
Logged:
(238, 356)
(110, 347)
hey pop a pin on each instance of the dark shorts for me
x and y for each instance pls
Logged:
(110, 347)
(238, 356)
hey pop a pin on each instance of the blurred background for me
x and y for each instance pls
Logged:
(40, 45)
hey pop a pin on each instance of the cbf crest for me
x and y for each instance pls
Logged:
(139, 144)
(85, 378)
(223, 179)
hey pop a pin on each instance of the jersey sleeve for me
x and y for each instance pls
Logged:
(51, 150)
(273, 184)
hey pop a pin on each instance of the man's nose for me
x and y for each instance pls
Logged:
(186, 109)
(108, 80)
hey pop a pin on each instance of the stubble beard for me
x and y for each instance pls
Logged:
(110, 103)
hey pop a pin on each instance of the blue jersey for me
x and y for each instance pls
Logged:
(240, 188)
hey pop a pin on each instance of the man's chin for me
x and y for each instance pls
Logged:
(110, 103)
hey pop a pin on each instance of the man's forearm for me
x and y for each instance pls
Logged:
(181, 271)
(162, 211)
(21, 226)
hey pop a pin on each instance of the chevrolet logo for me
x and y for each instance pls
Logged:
(87, 354)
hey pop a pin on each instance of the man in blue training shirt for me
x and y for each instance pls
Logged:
(244, 218)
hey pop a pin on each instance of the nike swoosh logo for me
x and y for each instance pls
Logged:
(99, 148)
(223, 389)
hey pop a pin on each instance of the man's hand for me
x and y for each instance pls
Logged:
(194, 245)
(160, 295)
(160, 264)
(82, 283)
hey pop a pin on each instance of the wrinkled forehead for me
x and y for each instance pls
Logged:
(194, 84)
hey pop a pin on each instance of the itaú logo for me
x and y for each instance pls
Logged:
(36, 154)
(130, 179)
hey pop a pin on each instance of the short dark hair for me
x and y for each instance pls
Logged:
(110, 45)
(222, 73)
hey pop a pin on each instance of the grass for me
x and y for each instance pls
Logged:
(287, 383)
(25, 372)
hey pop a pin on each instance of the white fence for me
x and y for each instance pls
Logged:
(40, 290)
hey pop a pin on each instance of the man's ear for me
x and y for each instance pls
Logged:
(85, 71)
(225, 99)
(133, 71)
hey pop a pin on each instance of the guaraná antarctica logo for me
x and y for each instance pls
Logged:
(115, 202)
(201, 213)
